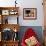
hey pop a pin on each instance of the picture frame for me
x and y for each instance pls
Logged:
(10, 20)
(5, 12)
(30, 13)
(5, 19)
(13, 20)
(13, 12)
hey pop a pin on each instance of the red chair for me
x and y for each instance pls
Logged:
(29, 33)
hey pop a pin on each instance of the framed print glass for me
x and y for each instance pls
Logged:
(29, 13)
(5, 19)
(6, 34)
(12, 20)
(5, 12)
(13, 12)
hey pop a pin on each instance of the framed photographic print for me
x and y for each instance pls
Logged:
(13, 12)
(29, 13)
(5, 20)
(5, 12)
(13, 20)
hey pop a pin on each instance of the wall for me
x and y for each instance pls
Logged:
(31, 4)
(27, 4)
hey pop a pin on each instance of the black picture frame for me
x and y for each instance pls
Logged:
(29, 13)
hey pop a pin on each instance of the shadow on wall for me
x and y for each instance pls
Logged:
(37, 29)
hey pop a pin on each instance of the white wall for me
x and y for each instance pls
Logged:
(27, 4)
(31, 4)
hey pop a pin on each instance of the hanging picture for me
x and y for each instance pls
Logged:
(5, 12)
(29, 13)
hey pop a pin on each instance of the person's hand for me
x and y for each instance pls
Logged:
(31, 41)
